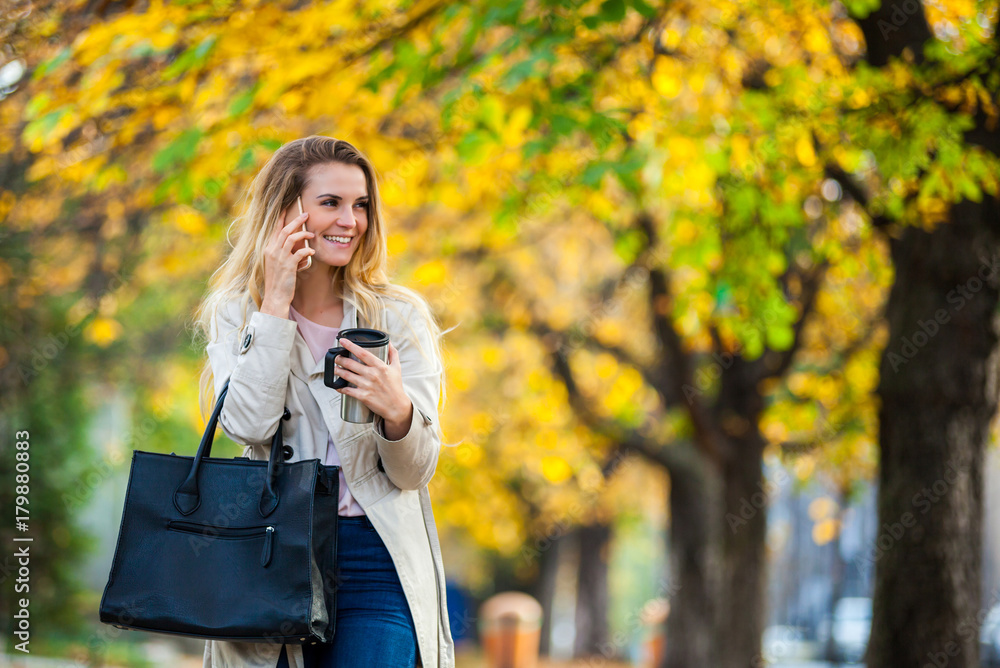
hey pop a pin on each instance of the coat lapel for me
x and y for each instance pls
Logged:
(302, 363)
(303, 366)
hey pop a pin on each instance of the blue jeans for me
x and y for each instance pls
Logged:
(374, 624)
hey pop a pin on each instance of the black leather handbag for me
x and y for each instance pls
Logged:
(227, 548)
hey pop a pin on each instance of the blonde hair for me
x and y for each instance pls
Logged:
(272, 191)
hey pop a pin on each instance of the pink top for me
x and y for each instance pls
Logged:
(321, 338)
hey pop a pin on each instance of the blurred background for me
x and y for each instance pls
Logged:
(723, 276)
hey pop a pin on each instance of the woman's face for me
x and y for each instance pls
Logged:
(336, 199)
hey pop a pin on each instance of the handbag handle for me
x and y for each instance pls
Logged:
(186, 498)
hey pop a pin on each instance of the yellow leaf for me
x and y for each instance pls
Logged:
(431, 272)
(775, 431)
(605, 366)
(859, 98)
(451, 196)
(513, 132)
(492, 357)
(804, 467)
(825, 531)
(804, 151)
(191, 222)
(740, 148)
(666, 77)
(609, 332)
(821, 508)
(682, 149)
(396, 243)
(103, 331)
(640, 124)
(816, 40)
(685, 231)
(670, 38)
(555, 469)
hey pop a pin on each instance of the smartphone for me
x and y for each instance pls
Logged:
(308, 260)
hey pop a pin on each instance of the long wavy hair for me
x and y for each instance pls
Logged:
(272, 191)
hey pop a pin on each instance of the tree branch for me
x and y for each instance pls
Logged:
(676, 363)
(626, 438)
(810, 289)
(544, 331)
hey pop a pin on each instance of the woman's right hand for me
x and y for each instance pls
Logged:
(281, 263)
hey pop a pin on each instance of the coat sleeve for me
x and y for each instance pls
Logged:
(410, 461)
(256, 359)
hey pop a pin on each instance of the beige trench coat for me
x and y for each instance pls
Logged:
(270, 367)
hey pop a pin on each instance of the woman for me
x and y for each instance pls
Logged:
(269, 322)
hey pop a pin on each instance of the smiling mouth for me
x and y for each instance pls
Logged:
(339, 241)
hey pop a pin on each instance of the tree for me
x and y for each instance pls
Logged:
(639, 198)
(939, 371)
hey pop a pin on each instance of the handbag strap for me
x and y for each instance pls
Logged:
(186, 497)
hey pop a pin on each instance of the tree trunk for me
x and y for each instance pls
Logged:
(592, 590)
(743, 554)
(938, 394)
(938, 387)
(692, 584)
(545, 588)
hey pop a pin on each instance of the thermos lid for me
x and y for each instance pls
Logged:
(365, 337)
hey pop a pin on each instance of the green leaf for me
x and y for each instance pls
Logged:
(178, 152)
(753, 344)
(505, 13)
(723, 295)
(36, 104)
(644, 9)
(518, 73)
(44, 125)
(533, 148)
(861, 8)
(246, 160)
(472, 147)
(630, 163)
(594, 172)
(491, 114)
(186, 191)
(780, 337)
(969, 188)
(52, 63)
(191, 58)
(163, 188)
(242, 102)
(631, 183)
(562, 124)
(612, 10)
(628, 244)
(718, 161)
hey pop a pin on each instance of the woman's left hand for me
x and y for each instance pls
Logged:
(377, 384)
